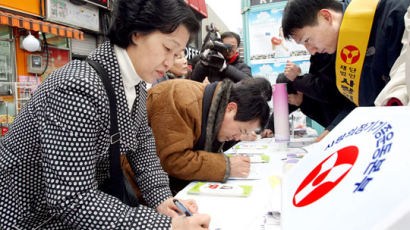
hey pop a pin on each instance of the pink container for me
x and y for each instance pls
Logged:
(280, 112)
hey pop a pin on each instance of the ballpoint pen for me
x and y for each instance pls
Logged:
(182, 208)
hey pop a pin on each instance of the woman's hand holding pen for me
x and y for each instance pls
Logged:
(240, 166)
(188, 220)
(168, 207)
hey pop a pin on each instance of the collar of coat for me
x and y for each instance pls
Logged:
(234, 59)
(216, 115)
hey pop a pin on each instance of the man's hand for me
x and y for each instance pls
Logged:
(266, 133)
(292, 70)
(240, 166)
(248, 137)
(295, 99)
(322, 135)
(168, 207)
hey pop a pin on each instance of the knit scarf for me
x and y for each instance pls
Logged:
(216, 116)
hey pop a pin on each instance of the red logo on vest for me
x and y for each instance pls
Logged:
(350, 54)
(325, 176)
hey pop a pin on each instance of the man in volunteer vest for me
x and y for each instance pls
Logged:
(364, 46)
(232, 68)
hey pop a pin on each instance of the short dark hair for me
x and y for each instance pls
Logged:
(132, 16)
(231, 35)
(300, 13)
(257, 85)
(252, 105)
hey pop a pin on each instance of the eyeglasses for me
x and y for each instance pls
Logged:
(244, 132)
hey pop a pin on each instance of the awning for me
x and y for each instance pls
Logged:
(38, 25)
(199, 6)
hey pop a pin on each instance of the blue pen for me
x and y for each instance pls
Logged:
(182, 208)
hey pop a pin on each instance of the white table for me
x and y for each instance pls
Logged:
(247, 213)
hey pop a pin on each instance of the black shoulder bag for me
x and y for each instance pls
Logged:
(117, 185)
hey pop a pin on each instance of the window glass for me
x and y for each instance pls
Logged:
(55, 41)
(6, 57)
(4, 32)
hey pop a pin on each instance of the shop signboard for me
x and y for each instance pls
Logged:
(68, 13)
(26, 6)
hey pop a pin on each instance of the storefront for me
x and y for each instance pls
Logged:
(199, 8)
(30, 49)
(51, 25)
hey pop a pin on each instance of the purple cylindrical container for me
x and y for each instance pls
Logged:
(280, 112)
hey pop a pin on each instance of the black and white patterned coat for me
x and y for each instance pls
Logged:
(56, 155)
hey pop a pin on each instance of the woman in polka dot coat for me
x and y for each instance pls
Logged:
(55, 156)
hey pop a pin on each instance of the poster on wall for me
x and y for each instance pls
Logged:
(271, 69)
(269, 50)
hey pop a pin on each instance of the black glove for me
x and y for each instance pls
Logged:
(283, 79)
(213, 59)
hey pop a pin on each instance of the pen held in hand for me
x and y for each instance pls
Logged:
(182, 208)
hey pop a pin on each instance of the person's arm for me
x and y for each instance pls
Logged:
(144, 163)
(237, 73)
(339, 118)
(316, 86)
(388, 38)
(75, 162)
(334, 123)
(322, 135)
(320, 82)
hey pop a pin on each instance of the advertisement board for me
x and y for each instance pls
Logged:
(355, 178)
(67, 13)
(268, 50)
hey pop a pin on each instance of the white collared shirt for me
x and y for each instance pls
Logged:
(130, 78)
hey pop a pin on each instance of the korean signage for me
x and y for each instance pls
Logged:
(359, 167)
(348, 76)
(67, 13)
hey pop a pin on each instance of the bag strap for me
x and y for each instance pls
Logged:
(116, 184)
(206, 105)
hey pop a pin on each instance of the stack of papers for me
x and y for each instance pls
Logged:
(218, 189)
